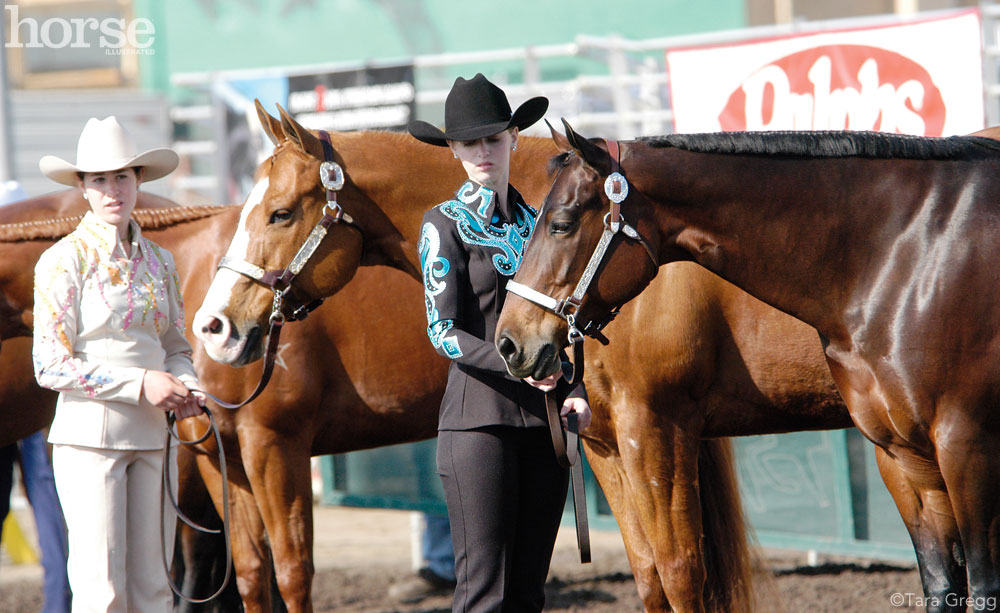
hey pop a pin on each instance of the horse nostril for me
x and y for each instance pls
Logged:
(214, 326)
(507, 347)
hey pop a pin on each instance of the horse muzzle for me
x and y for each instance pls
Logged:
(536, 361)
(224, 343)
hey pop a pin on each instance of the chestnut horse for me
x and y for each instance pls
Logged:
(719, 362)
(323, 398)
(887, 244)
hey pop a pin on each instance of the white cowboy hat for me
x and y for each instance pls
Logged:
(105, 145)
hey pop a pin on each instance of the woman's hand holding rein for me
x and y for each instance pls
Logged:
(580, 406)
(169, 393)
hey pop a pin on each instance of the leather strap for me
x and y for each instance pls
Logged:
(566, 444)
(167, 491)
(270, 354)
(615, 152)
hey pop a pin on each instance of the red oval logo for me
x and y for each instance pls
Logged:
(838, 87)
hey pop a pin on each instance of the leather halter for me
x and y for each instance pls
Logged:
(567, 444)
(616, 188)
(279, 281)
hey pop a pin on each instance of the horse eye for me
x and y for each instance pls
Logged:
(561, 227)
(280, 215)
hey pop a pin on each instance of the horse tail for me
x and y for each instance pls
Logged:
(728, 561)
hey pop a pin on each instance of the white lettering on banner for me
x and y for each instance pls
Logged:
(323, 99)
(57, 33)
(826, 108)
(356, 119)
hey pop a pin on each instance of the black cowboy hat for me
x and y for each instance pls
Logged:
(475, 108)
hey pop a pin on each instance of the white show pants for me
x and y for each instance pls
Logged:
(111, 499)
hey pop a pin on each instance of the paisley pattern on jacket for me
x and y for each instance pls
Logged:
(435, 268)
(469, 209)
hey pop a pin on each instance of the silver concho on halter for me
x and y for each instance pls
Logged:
(331, 175)
(616, 187)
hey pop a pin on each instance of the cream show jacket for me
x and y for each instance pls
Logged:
(101, 319)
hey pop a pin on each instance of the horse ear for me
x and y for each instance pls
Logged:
(302, 137)
(562, 143)
(592, 154)
(272, 127)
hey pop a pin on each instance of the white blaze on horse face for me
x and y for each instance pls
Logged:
(210, 324)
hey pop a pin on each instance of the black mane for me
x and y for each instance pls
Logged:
(831, 144)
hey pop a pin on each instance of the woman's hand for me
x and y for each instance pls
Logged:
(581, 407)
(164, 390)
(548, 383)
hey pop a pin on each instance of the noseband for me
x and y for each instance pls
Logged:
(616, 187)
(279, 281)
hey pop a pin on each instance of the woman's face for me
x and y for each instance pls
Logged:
(487, 160)
(112, 195)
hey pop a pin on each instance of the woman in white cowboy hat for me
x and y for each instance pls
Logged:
(504, 487)
(109, 337)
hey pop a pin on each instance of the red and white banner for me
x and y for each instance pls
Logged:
(923, 77)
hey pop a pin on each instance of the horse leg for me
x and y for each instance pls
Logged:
(971, 470)
(279, 474)
(610, 473)
(917, 488)
(251, 554)
(661, 463)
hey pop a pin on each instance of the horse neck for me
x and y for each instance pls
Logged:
(783, 230)
(401, 178)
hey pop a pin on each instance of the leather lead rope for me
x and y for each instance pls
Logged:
(166, 490)
(566, 444)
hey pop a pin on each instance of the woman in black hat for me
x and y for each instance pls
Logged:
(504, 488)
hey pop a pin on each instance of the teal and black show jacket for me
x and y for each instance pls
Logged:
(469, 249)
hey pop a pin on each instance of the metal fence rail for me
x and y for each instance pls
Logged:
(618, 87)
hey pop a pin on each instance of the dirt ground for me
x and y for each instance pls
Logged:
(360, 552)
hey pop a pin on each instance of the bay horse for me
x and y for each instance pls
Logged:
(886, 244)
(720, 362)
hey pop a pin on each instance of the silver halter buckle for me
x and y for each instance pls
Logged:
(331, 175)
(616, 187)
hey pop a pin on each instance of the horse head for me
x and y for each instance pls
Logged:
(574, 225)
(287, 203)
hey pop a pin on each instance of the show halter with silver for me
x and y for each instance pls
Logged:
(332, 177)
(616, 188)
